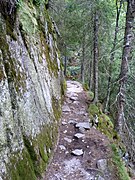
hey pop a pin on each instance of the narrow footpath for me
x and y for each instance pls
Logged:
(82, 152)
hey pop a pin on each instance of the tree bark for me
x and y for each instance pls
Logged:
(112, 54)
(128, 38)
(83, 60)
(90, 75)
(95, 62)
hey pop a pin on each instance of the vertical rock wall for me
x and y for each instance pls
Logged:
(30, 90)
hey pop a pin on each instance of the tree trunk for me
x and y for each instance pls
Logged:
(95, 62)
(90, 75)
(83, 59)
(128, 38)
(112, 54)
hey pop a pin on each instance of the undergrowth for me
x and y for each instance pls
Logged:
(118, 163)
(106, 126)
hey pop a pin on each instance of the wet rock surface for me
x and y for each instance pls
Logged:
(83, 151)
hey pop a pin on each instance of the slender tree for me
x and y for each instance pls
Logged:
(91, 75)
(128, 38)
(95, 63)
(112, 54)
(83, 58)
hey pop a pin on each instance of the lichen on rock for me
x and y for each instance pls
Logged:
(30, 90)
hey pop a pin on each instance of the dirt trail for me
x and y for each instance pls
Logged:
(83, 157)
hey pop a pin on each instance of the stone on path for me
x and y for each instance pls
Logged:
(62, 147)
(77, 152)
(65, 131)
(81, 113)
(64, 123)
(85, 125)
(71, 94)
(102, 164)
(81, 130)
(68, 140)
(72, 122)
(74, 98)
(76, 102)
(66, 109)
(79, 135)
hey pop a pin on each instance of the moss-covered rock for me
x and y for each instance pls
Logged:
(33, 160)
(21, 167)
(90, 95)
(105, 125)
(93, 110)
(31, 89)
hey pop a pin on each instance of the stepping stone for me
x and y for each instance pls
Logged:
(68, 140)
(77, 152)
(79, 135)
(62, 147)
(85, 125)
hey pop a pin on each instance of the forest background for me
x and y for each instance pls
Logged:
(96, 41)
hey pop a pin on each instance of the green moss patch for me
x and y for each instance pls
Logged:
(27, 17)
(86, 86)
(93, 110)
(118, 165)
(90, 95)
(32, 162)
(21, 167)
(105, 125)
(63, 87)
(56, 108)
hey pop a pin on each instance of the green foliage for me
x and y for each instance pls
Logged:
(94, 110)
(106, 126)
(90, 95)
(85, 87)
(38, 2)
(119, 165)
(73, 71)
(34, 2)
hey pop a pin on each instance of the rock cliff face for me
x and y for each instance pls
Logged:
(30, 89)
